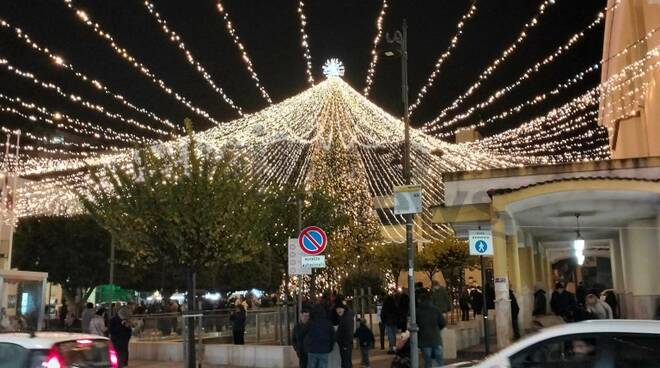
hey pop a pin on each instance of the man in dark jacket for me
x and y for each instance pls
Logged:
(320, 338)
(540, 302)
(298, 338)
(388, 315)
(237, 320)
(345, 330)
(431, 322)
(563, 302)
(515, 311)
(476, 300)
(581, 294)
(365, 339)
(120, 332)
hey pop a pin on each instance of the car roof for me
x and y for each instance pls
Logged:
(620, 326)
(44, 340)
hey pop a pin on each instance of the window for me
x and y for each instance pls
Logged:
(12, 355)
(592, 350)
(637, 350)
(582, 351)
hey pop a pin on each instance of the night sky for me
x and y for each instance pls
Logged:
(270, 32)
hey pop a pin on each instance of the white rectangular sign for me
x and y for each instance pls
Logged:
(407, 199)
(313, 261)
(481, 242)
(295, 259)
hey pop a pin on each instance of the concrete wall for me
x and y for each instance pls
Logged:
(640, 249)
(634, 124)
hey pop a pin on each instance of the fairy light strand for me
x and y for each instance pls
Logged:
(231, 30)
(305, 42)
(374, 51)
(135, 63)
(174, 38)
(444, 56)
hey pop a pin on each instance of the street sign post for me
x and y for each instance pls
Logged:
(313, 261)
(481, 244)
(407, 199)
(295, 259)
(312, 240)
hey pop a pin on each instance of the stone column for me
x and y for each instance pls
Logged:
(500, 269)
(525, 296)
(641, 253)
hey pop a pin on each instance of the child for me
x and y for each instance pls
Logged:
(366, 340)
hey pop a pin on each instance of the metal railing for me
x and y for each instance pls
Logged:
(263, 326)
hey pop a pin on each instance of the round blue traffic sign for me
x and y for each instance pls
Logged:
(481, 246)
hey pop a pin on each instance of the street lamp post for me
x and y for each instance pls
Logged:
(400, 39)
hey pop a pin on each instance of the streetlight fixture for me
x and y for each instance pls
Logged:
(399, 47)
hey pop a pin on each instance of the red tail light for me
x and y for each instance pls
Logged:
(54, 359)
(114, 360)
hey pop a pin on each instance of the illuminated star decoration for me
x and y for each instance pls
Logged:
(333, 68)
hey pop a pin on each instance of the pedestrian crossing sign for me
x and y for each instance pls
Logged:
(481, 242)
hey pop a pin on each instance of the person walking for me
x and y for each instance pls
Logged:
(5, 323)
(540, 301)
(381, 325)
(440, 297)
(97, 324)
(365, 340)
(598, 308)
(431, 322)
(563, 302)
(320, 338)
(515, 311)
(237, 319)
(120, 332)
(87, 315)
(345, 329)
(464, 304)
(298, 338)
(476, 300)
(389, 319)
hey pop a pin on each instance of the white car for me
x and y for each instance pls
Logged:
(597, 343)
(56, 350)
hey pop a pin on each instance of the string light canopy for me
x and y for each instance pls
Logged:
(286, 144)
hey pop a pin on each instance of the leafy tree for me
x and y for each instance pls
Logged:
(177, 209)
(364, 280)
(355, 226)
(73, 250)
(392, 258)
(428, 259)
(450, 256)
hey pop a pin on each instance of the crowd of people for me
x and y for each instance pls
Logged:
(330, 323)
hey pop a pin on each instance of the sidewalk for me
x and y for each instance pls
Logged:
(378, 359)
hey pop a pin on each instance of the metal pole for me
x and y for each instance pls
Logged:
(302, 277)
(484, 309)
(112, 271)
(414, 356)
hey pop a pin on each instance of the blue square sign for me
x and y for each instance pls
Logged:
(481, 242)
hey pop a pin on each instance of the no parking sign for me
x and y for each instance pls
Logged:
(312, 241)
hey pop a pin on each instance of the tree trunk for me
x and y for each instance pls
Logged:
(190, 321)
